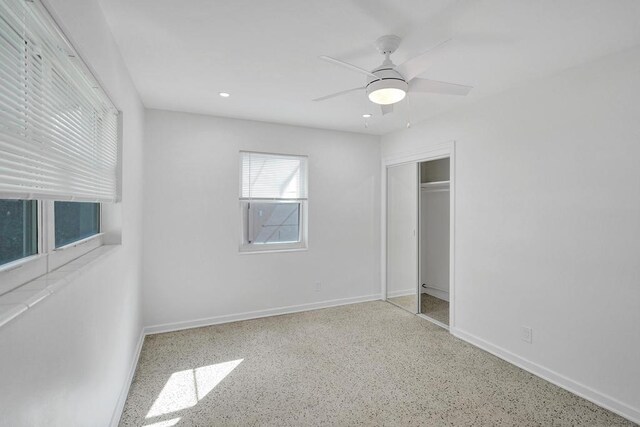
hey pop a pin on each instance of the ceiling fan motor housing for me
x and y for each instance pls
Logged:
(388, 44)
(389, 88)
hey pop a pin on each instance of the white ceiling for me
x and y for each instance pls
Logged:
(265, 53)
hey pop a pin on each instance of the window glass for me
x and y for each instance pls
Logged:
(75, 221)
(270, 222)
(18, 229)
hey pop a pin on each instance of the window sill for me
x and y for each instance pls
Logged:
(79, 242)
(246, 251)
(21, 299)
(19, 263)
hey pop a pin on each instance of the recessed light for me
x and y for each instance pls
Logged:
(366, 116)
(224, 94)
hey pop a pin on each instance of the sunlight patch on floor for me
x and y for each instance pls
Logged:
(185, 388)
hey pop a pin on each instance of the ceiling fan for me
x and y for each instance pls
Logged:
(388, 83)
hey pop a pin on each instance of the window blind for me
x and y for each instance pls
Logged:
(273, 176)
(58, 129)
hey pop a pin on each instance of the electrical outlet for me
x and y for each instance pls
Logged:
(318, 287)
(527, 334)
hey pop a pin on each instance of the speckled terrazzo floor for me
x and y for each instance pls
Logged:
(364, 364)
(435, 308)
(408, 302)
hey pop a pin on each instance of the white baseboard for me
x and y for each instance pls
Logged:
(443, 295)
(169, 327)
(122, 399)
(402, 293)
(600, 399)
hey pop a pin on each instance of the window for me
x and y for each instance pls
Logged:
(58, 129)
(273, 222)
(18, 230)
(59, 147)
(75, 221)
(39, 236)
(273, 201)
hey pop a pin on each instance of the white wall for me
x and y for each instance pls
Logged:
(65, 361)
(192, 268)
(548, 223)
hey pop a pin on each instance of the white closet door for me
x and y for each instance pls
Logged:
(402, 216)
(434, 240)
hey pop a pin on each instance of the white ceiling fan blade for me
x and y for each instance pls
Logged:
(339, 93)
(386, 109)
(434, 86)
(418, 64)
(349, 66)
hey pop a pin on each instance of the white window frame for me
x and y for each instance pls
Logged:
(246, 247)
(67, 253)
(251, 248)
(49, 258)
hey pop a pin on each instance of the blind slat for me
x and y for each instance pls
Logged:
(58, 129)
(273, 176)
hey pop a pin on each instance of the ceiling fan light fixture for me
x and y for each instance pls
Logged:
(387, 91)
(387, 96)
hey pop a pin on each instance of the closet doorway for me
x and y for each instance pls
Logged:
(434, 213)
(418, 234)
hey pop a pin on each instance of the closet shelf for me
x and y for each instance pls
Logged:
(434, 184)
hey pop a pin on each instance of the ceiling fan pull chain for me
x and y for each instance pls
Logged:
(408, 112)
